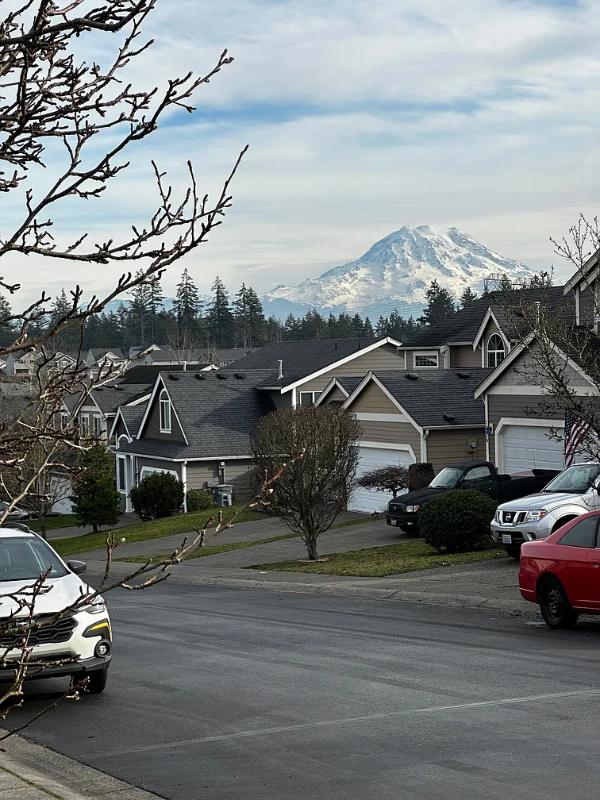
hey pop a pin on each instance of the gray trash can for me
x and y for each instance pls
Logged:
(223, 494)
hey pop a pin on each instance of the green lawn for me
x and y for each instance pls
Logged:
(210, 550)
(61, 521)
(155, 529)
(377, 562)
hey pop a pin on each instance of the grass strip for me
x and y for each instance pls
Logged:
(210, 550)
(155, 529)
(379, 562)
(61, 521)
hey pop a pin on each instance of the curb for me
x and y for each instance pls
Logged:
(33, 772)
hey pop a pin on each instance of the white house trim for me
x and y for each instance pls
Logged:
(427, 354)
(523, 422)
(159, 381)
(487, 425)
(388, 446)
(184, 481)
(138, 401)
(489, 316)
(371, 377)
(366, 417)
(368, 349)
(512, 356)
(149, 470)
(582, 275)
(527, 390)
(329, 388)
(424, 436)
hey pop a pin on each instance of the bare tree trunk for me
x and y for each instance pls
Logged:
(310, 540)
(94, 527)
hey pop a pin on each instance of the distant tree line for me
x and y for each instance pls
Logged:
(226, 322)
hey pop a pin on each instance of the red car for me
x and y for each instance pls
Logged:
(562, 572)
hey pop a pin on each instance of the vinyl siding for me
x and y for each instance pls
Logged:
(586, 306)
(525, 370)
(445, 448)
(201, 475)
(383, 358)
(372, 400)
(335, 396)
(205, 474)
(464, 356)
(155, 463)
(393, 433)
(152, 426)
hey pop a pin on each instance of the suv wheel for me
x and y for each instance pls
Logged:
(513, 551)
(97, 681)
(555, 606)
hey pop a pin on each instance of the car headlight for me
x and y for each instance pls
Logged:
(497, 516)
(95, 606)
(412, 509)
(535, 515)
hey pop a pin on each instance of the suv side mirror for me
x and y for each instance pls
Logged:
(77, 567)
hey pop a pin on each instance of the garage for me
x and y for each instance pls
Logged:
(530, 447)
(368, 500)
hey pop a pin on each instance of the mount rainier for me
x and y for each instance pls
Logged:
(395, 273)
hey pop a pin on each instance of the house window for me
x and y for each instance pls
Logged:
(84, 425)
(97, 425)
(427, 360)
(496, 351)
(309, 398)
(121, 467)
(165, 412)
(64, 419)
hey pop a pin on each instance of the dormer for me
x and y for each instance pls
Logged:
(492, 341)
(585, 286)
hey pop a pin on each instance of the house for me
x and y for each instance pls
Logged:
(148, 374)
(161, 355)
(26, 362)
(221, 357)
(300, 371)
(195, 426)
(480, 335)
(102, 359)
(99, 408)
(410, 417)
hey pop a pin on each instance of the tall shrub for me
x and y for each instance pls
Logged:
(157, 495)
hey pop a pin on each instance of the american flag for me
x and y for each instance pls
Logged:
(575, 432)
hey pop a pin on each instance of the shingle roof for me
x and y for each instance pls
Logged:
(218, 412)
(109, 398)
(147, 373)
(300, 359)
(100, 352)
(132, 416)
(464, 325)
(439, 397)
(349, 384)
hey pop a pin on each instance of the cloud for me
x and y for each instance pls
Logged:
(363, 117)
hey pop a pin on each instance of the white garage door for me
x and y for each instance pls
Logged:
(525, 447)
(368, 500)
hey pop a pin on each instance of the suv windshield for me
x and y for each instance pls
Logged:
(26, 558)
(574, 480)
(448, 478)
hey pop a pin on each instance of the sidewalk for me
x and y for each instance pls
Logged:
(31, 772)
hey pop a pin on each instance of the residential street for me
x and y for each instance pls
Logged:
(224, 694)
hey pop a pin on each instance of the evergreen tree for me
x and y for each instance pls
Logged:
(139, 313)
(6, 325)
(468, 297)
(368, 329)
(187, 305)
(220, 321)
(440, 305)
(96, 501)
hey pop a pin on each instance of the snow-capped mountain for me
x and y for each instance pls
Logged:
(397, 271)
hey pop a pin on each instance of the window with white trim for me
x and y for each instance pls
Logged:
(165, 412)
(97, 425)
(427, 360)
(84, 425)
(496, 351)
(121, 467)
(309, 398)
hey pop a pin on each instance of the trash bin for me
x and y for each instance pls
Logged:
(223, 495)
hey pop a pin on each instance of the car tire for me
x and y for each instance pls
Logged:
(514, 552)
(561, 522)
(555, 606)
(96, 681)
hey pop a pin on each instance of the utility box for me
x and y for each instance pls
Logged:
(223, 495)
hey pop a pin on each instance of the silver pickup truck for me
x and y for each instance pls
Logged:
(574, 491)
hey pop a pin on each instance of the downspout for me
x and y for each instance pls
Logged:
(184, 481)
(487, 428)
(424, 437)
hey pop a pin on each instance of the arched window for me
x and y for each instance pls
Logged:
(496, 351)
(165, 412)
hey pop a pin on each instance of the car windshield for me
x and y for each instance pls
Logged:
(26, 558)
(448, 478)
(574, 480)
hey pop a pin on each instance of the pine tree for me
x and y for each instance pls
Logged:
(96, 501)
(186, 310)
(6, 326)
(368, 329)
(468, 297)
(440, 305)
(139, 312)
(220, 321)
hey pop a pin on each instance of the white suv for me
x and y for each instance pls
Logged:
(80, 641)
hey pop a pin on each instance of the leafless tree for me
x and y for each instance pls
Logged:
(319, 446)
(54, 112)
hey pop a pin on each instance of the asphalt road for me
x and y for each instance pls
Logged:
(227, 694)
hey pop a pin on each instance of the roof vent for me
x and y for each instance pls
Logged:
(221, 376)
(240, 376)
(280, 371)
(449, 417)
(412, 376)
(118, 388)
(174, 377)
(463, 375)
(199, 376)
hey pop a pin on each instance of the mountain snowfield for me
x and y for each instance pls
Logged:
(397, 271)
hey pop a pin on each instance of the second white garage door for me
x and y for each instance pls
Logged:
(530, 447)
(371, 458)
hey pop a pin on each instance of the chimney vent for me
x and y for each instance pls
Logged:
(184, 366)
(280, 374)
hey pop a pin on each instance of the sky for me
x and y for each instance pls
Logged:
(361, 117)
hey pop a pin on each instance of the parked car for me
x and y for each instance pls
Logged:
(562, 572)
(481, 475)
(573, 492)
(84, 636)
(15, 513)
